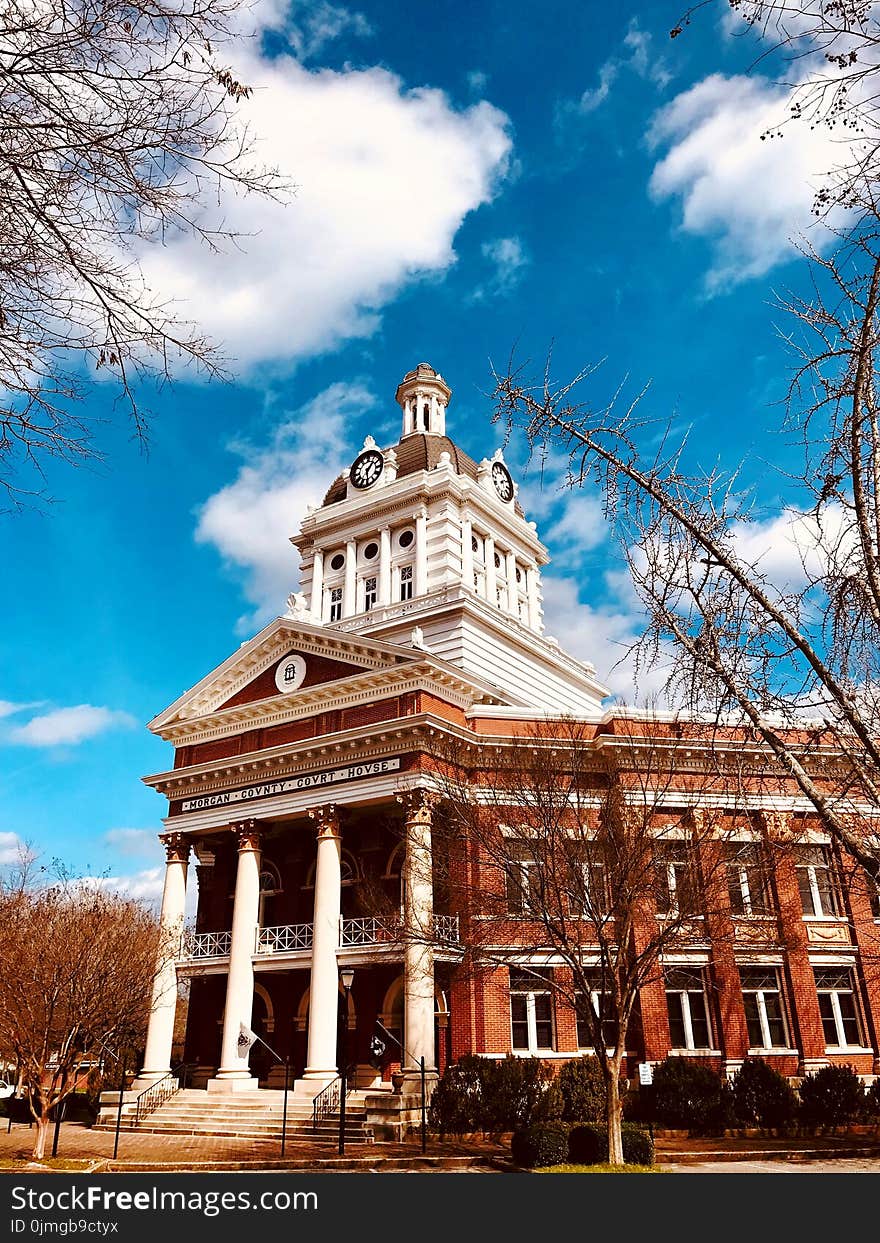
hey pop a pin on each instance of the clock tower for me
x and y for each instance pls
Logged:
(418, 543)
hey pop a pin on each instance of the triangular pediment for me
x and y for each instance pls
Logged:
(286, 658)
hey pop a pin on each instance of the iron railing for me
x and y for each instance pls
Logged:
(284, 938)
(326, 1103)
(156, 1094)
(369, 930)
(446, 928)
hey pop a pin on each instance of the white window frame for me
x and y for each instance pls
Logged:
(743, 867)
(334, 598)
(406, 574)
(834, 994)
(685, 1002)
(811, 870)
(370, 604)
(767, 1046)
(534, 1048)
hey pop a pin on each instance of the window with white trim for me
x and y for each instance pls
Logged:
(688, 1007)
(523, 881)
(839, 1007)
(874, 895)
(765, 1012)
(747, 881)
(588, 884)
(817, 881)
(406, 582)
(371, 592)
(676, 886)
(531, 1010)
(335, 604)
(596, 1000)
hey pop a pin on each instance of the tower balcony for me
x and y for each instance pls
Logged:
(377, 936)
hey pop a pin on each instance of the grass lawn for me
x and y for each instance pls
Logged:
(51, 1163)
(599, 1169)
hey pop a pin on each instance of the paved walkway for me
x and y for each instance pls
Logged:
(839, 1165)
(78, 1142)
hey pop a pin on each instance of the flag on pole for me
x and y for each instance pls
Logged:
(245, 1039)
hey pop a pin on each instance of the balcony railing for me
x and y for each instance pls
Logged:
(284, 938)
(293, 938)
(205, 944)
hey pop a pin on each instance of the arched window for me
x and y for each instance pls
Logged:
(270, 887)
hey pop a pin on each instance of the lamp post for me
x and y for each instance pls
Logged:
(346, 975)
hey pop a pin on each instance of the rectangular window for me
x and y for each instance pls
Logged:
(523, 882)
(336, 604)
(587, 885)
(839, 1007)
(596, 1000)
(747, 881)
(676, 886)
(765, 1014)
(874, 894)
(688, 1008)
(531, 1010)
(406, 582)
(817, 881)
(370, 593)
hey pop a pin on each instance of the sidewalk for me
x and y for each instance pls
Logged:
(683, 1151)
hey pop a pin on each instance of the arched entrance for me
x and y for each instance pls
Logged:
(300, 1035)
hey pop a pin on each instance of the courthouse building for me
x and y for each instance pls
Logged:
(301, 801)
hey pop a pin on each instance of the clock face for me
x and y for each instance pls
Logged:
(502, 480)
(366, 468)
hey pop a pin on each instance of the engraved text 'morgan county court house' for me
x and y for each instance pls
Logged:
(301, 798)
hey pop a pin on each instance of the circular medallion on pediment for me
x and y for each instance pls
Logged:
(290, 674)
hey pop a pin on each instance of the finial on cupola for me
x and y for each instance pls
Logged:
(423, 395)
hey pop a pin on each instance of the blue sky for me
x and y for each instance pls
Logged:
(469, 176)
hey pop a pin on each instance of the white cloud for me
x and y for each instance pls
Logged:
(385, 176)
(637, 57)
(68, 726)
(509, 262)
(751, 197)
(310, 25)
(789, 548)
(11, 848)
(133, 841)
(250, 520)
(580, 527)
(8, 708)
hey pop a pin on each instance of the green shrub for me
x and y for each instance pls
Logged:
(761, 1096)
(545, 1143)
(831, 1096)
(588, 1144)
(687, 1094)
(872, 1102)
(583, 1090)
(457, 1103)
(516, 1091)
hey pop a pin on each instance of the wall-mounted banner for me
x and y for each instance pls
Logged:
(306, 781)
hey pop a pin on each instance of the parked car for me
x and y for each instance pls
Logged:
(6, 1089)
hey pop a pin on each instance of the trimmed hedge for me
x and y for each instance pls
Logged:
(545, 1143)
(484, 1094)
(831, 1096)
(582, 1088)
(588, 1144)
(686, 1094)
(762, 1097)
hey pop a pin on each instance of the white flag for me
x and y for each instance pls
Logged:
(245, 1039)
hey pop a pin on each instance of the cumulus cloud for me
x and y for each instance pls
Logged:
(788, 547)
(11, 848)
(385, 176)
(68, 726)
(310, 25)
(750, 197)
(132, 841)
(251, 519)
(8, 708)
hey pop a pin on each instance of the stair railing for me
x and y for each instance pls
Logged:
(158, 1093)
(326, 1102)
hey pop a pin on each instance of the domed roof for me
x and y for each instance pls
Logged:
(414, 453)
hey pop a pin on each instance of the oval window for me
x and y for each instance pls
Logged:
(405, 539)
(337, 562)
(371, 552)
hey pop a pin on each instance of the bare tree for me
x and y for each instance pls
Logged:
(118, 119)
(589, 853)
(78, 969)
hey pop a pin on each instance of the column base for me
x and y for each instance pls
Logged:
(146, 1079)
(244, 1083)
(313, 1082)
(408, 1082)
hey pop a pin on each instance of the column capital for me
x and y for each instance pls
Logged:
(776, 824)
(248, 834)
(418, 803)
(176, 847)
(326, 820)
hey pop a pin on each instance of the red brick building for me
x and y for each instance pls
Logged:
(301, 797)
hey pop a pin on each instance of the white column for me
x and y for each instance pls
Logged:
(384, 583)
(490, 570)
(324, 991)
(318, 586)
(349, 601)
(234, 1074)
(421, 574)
(418, 965)
(512, 596)
(532, 592)
(467, 554)
(160, 1029)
